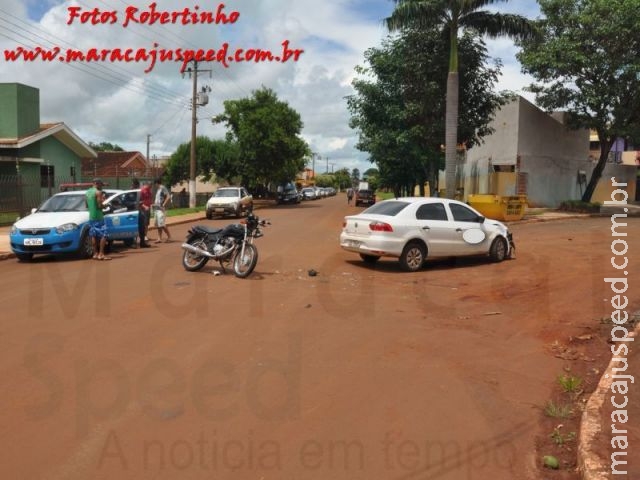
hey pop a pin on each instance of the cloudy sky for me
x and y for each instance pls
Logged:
(121, 104)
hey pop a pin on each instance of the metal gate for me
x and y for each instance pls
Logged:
(20, 193)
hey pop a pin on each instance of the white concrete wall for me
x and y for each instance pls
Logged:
(549, 153)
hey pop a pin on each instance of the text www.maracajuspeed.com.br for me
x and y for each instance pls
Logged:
(223, 55)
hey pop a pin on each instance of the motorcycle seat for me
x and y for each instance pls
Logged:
(205, 229)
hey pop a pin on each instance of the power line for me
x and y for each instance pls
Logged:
(157, 92)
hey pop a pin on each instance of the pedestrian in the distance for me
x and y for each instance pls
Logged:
(349, 195)
(160, 206)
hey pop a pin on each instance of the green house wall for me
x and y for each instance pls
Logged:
(55, 153)
(20, 112)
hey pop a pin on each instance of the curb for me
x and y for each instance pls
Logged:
(590, 463)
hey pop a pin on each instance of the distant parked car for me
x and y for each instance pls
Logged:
(308, 193)
(229, 201)
(414, 229)
(61, 224)
(287, 193)
(365, 198)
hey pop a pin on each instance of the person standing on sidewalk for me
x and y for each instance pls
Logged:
(144, 213)
(97, 226)
(160, 205)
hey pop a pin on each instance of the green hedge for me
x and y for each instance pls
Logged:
(579, 206)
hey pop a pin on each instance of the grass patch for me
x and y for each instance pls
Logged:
(174, 212)
(555, 410)
(570, 383)
(560, 438)
(384, 195)
(8, 218)
(579, 206)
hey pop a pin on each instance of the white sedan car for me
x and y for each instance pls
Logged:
(412, 229)
(229, 201)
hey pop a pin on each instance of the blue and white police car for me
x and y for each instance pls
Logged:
(61, 224)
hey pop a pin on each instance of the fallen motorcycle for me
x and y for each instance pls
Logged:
(231, 245)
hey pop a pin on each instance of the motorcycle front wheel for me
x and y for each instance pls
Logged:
(192, 261)
(244, 263)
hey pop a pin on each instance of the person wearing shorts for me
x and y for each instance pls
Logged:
(160, 205)
(97, 226)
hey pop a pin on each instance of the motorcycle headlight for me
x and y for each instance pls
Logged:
(67, 227)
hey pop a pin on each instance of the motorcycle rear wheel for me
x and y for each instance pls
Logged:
(243, 264)
(193, 262)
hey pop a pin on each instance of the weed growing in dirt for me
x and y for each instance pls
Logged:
(570, 383)
(556, 410)
(634, 320)
(560, 438)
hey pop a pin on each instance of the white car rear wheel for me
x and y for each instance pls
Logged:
(413, 257)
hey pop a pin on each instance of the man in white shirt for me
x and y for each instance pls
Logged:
(162, 199)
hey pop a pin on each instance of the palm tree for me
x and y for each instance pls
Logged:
(450, 16)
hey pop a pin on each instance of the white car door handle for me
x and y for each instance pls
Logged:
(458, 229)
(426, 228)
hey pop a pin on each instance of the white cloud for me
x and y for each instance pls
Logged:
(118, 103)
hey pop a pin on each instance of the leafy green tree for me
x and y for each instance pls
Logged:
(342, 178)
(355, 176)
(587, 62)
(372, 176)
(219, 158)
(325, 180)
(267, 132)
(105, 147)
(399, 107)
(452, 17)
(371, 172)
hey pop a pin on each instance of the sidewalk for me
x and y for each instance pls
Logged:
(597, 423)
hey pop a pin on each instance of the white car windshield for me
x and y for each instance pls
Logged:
(227, 193)
(65, 203)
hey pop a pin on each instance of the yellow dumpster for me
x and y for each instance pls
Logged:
(499, 207)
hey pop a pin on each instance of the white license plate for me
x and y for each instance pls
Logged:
(219, 210)
(353, 243)
(31, 242)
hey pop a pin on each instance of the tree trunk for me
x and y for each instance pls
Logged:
(605, 148)
(451, 134)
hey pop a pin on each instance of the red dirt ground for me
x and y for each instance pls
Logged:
(137, 369)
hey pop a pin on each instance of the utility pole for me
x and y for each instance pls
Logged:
(327, 165)
(148, 139)
(194, 120)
